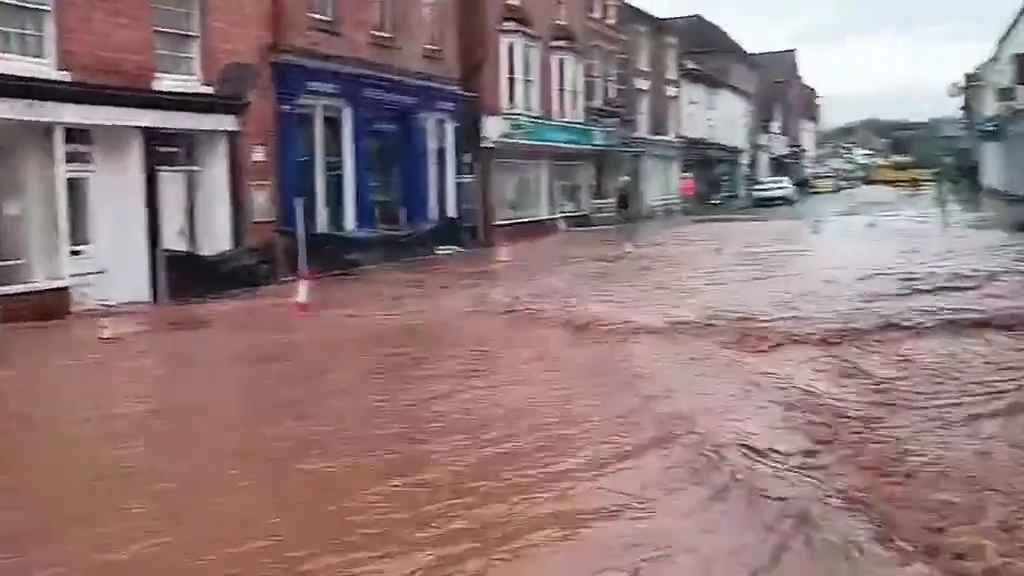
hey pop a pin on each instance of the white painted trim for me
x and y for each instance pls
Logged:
(319, 171)
(451, 195)
(91, 115)
(429, 126)
(349, 158)
(30, 287)
(61, 190)
(179, 83)
(31, 67)
(527, 220)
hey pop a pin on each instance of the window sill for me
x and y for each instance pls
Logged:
(434, 52)
(324, 25)
(383, 39)
(29, 287)
(31, 67)
(526, 220)
(174, 83)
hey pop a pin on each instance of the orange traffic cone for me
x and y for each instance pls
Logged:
(302, 295)
(503, 253)
(105, 330)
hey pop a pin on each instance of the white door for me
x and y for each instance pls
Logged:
(84, 268)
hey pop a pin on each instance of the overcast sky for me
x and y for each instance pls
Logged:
(884, 58)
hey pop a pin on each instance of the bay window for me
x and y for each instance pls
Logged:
(566, 87)
(643, 49)
(595, 76)
(643, 113)
(176, 37)
(671, 59)
(520, 67)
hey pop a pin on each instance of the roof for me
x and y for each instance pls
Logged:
(780, 65)
(698, 34)
(1002, 39)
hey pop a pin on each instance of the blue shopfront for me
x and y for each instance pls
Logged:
(367, 152)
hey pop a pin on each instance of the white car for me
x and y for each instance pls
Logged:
(775, 189)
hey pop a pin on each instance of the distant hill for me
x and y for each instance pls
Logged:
(874, 131)
(927, 141)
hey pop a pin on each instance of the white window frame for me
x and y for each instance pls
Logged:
(671, 58)
(432, 20)
(524, 97)
(596, 74)
(611, 78)
(318, 108)
(449, 194)
(597, 8)
(384, 18)
(169, 81)
(674, 113)
(643, 49)
(45, 67)
(321, 10)
(567, 98)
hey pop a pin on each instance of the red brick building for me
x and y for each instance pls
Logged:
(128, 143)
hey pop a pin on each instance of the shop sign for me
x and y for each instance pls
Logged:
(527, 129)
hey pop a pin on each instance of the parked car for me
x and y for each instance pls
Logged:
(824, 182)
(774, 189)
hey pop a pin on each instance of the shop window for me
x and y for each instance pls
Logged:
(26, 28)
(439, 160)
(383, 17)
(520, 65)
(321, 169)
(176, 36)
(173, 156)
(566, 93)
(572, 183)
(386, 183)
(322, 10)
(518, 190)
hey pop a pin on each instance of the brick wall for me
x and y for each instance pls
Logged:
(350, 36)
(111, 42)
(106, 41)
(35, 306)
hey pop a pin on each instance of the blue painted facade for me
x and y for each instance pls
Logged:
(384, 108)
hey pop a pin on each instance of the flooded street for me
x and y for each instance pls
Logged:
(831, 388)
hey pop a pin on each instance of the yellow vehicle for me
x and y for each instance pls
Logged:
(901, 172)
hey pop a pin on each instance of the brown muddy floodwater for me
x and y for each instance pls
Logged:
(836, 388)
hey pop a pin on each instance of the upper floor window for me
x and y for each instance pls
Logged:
(673, 107)
(643, 113)
(384, 16)
(595, 76)
(671, 59)
(566, 87)
(597, 8)
(561, 12)
(26, 28)
(520, 78)
(611, 82)
(611, 11)
(643, 49)
(176, 34)
(320, 9)
(432, 21)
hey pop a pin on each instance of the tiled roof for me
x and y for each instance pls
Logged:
(698, 34)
